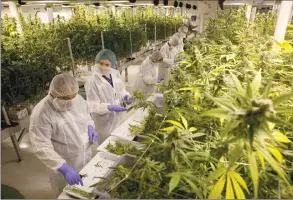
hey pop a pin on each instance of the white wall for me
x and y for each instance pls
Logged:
(5, 10)
(63, 12)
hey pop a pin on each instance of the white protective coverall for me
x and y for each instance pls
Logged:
(147, 77)
(180, 47)
(171, 54)
(100, 94)
(61, 136)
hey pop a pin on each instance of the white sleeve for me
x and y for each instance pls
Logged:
(40, 132)
(88, 119)
(122, 89)
(93, 99)
(147, 75)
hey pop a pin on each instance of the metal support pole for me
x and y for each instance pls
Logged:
(5, 115)
(15, 145)
(253, 13)
(201, 25)
(282, 21)
(102, 38)
(165, 23)
(126, 74)
(248, 11)
(155, 33)
(130, 38)
(130, 32)
(50, 14)
(71, 55)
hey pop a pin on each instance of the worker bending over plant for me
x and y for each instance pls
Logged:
(147, 76)
(62, 131)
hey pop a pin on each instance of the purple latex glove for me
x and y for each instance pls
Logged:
(116, 108)
(127, 98)
(160, 80)
(71, 175)
(93, 135)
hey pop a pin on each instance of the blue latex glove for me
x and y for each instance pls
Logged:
(127, 98)
(116, 108)
(93, 135)
(71, 175)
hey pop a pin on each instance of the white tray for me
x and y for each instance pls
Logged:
(112, 140)
(123, 130)
(105, 161)
(128, 161)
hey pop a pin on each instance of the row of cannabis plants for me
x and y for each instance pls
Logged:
(226, 131)
(30, 60)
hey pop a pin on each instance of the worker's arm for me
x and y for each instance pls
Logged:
(122, 88)
(87, 115)
(93, 99)
(40, 131)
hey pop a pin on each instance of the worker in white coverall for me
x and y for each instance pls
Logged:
(170, 50)
(147, 76)
(181, 34)
(106, 95)
(62, 131)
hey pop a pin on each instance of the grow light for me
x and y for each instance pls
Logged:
(143, 4)
(110, 2)
(123, 5)
(34, 2)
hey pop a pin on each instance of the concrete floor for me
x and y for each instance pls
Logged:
(30, 176)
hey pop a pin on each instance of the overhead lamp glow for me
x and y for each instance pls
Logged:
(123, 5)
(115, 2)
(143, 4)
(38, 2)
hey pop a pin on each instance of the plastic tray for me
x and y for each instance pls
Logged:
(112, 140)
(97, 167)
(126, 160)
(123, 130)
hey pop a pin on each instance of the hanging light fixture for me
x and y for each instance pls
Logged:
(188, 6)
(175, 4)
(194, 7)
(221, 4)
(21, 3)
(180, 4)
(165, 2)
(156, 2)
(132, 1)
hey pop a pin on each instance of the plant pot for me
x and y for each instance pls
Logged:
(17, 113)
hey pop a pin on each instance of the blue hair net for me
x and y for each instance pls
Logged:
(106, 54)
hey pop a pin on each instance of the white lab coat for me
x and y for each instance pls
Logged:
(147, 77)
(171, 54)
(58, 137)
(99, 95)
